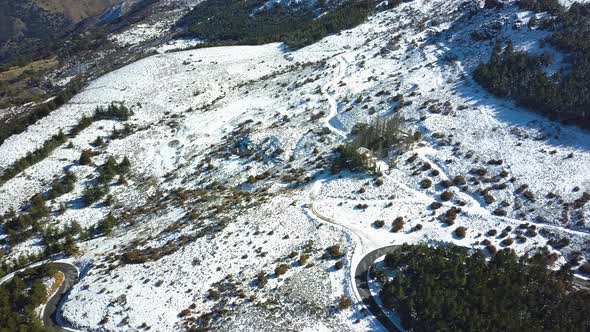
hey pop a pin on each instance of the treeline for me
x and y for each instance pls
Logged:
(113, 111)
(240, 22)
(232, 22)
(550, 6)
(33, 157)
(452, 289)
(19, 298)
(521, 76)
(346, 17)
(20, 123)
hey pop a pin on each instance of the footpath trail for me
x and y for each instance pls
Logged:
(330, 119)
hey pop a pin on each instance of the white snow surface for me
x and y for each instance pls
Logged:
(189, 108)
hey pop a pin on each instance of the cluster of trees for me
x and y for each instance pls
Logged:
(63, 185)
(453, 289)
(33, 157)
(384, 136)
(375, 140)
(94, 193)
(550, 6)
(343, 18)
(57, 241)
(18, 124)
(20, 296)
(228, 21)
(113, 111)
(106, 173)
(111, 168)
(241, 22)
(20, 227)
(106, 225)
(521, 76)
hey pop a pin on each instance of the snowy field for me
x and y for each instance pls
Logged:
(208, 120)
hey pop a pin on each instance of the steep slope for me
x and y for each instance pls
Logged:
(230, 214)
(75, 11)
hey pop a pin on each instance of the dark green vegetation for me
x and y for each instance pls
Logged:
(63, 185)
(18, 124)
(550, 6)
(20, 296)
(377, 139)
(32, 218)
(20, 227)
(451, 289)
(113, 111)
(521, 76)
(343, 18)
(33, 158)
(231, 22)
(106, 173)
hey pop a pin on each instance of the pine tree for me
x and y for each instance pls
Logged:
(38, 207)
(70, 246)
(86, 157)
(124, 166)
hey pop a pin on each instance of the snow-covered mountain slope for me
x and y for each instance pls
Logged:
(230, 151)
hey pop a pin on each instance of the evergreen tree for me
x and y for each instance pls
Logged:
(86, 157)
(70, 246)
(38, 207)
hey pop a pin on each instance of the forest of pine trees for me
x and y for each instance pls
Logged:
(20, 296)
(231, 22)
(521, 76)
(29, 222)
(550, 6)
(453, 289)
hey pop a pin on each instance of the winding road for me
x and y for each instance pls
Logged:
(363, 252)
(365, 256)
(51, 315)
(361, 282)
(366, 250)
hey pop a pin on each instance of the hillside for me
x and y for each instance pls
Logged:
(76, 11)
(223, 181)
(29, 27)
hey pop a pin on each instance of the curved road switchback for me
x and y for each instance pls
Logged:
(361, 270)
(51, 308)
(361, 281)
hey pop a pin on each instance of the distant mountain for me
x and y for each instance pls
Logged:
(28, 27)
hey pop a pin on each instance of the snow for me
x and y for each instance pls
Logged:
(196, 112)
(178, 44)
(139, 33)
